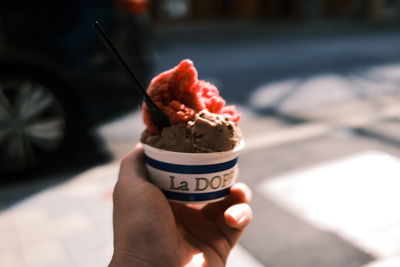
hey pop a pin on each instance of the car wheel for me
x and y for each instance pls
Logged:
(33, 123)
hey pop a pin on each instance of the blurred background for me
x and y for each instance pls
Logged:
(317, 83)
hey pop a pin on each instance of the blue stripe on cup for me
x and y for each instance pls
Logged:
(190, 169)
(196, 197)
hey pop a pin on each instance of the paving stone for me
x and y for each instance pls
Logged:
(79, 244)
(99, 208)
(100, 256)
(74, 218)
(46, 252)
(6, 219)
(59, 208)
(280, 238)
(102, 219)
(72, 224)
(64, 263)
(385, 130)
(84, 189)
(389, 262)
(239, 257)
(12, 258)
(385, 242)
(354, 197)
(33, 224)
(9, 237)
(56, 198)
(29, 235)
(30, 214)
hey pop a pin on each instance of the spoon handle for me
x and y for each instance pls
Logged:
(157, 115)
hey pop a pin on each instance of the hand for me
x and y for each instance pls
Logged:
(151, 231)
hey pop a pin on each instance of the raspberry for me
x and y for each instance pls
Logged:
(180, 95)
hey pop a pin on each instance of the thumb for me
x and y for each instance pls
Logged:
(132, 166)
(238, 216)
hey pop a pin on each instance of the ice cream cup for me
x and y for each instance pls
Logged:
(193, 177)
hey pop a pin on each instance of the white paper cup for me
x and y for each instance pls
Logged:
(193, 177)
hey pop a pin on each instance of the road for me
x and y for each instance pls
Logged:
(243, 60)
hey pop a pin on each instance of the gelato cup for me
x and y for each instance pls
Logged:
(193, 177)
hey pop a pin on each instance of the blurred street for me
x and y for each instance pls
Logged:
(321, 120)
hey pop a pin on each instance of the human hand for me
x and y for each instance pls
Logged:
(151, 231)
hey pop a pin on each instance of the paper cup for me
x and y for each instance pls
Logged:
(193, 177)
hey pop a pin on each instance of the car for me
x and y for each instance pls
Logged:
(57, 79)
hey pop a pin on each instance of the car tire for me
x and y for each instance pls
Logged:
(35, 122)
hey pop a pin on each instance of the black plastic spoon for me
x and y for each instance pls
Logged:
(156, 114)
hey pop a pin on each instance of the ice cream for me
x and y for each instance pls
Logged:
(200, 120)
(206, 132)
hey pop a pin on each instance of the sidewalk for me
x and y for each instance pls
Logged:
(71, 221)
(65, 225)
(324, 195)
(70, 225)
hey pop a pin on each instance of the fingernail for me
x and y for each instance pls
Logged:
(239, 216)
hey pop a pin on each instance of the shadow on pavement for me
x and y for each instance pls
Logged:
(74, 160)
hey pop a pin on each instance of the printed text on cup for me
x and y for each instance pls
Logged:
(203, 183)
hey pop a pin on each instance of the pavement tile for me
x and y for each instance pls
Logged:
(252, 124)
(100, 256)
(388, 130)
(6, 220)
(120, 136)
(33, 224)
(64, 263)
(278, 237)
(338, 89)
(59, 208)
(386, 242)
(389, 262)
(60, 202)
(29, 235)
(102, 220)
(30, 214)
(355, 197)
(12, 258)
(239, 257)
(47, 252)
(72, 224)
(99, 177)
(9, 237)
(366, 109)
(79, 244)
(98, 207)
(84, 189)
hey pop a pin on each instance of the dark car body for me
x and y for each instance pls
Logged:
(51, 57)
